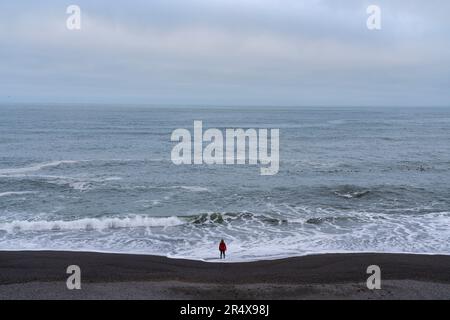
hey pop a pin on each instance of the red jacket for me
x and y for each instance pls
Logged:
(222, 246)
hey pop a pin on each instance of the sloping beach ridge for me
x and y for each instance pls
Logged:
(42, 275)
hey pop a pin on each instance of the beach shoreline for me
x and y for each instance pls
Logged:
(42, 275)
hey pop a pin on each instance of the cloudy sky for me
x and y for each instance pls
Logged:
(226, 52)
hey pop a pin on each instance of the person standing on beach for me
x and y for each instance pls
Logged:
(222, 248)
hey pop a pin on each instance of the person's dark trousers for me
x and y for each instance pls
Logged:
(222, 253)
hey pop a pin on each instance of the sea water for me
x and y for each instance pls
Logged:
(100, 178)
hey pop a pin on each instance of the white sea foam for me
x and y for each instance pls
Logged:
(79, 185)
(76, 183)
(56, 163)
(91, 224)
(111, 179)
(350, 195)
(14, 193)
(36, 167)
(190, 188)
(247, 235)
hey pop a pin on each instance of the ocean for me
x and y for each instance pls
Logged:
(100, 178)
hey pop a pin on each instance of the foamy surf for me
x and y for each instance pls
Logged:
(36, 167)
(91, 224)
(250, 236)
(16, 193)
(190, 188)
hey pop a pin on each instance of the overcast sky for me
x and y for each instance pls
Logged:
(226, 52)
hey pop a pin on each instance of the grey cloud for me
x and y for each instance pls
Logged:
(227, 52)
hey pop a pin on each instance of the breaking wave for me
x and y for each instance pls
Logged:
(36, 167)
(350, 195)
(91, 224)
(15, 193)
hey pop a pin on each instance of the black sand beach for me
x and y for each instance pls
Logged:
(42, 275)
